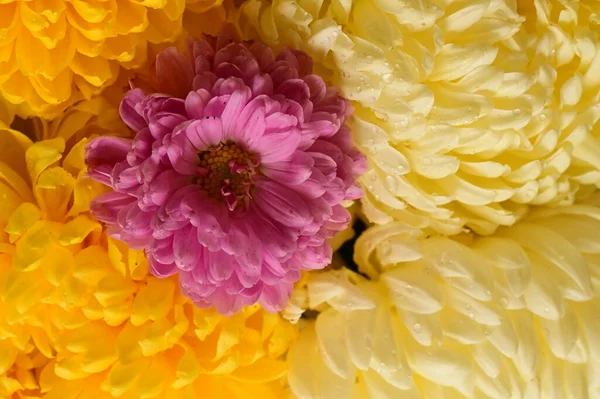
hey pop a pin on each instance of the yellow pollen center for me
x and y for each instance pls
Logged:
(229, 170)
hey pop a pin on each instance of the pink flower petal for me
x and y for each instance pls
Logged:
(233, 109)
(195, 103)
(275, 297)
(282, 204)
(220, 265)
(173, 72)
(103, 153)
(295, 170)
(106, 207)
(278, 147)
(205, 133)
(128, 111)
(250, 124)
(186, 249)
(162, 270)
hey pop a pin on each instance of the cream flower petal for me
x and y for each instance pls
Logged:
(469, 111)
(507, 316)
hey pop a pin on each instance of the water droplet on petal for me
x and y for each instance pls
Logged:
(417, 328)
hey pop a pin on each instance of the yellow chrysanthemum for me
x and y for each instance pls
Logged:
(96, 117)
(468, 110)
(53, 54)
(81, 318)
(508, 316)
(205, 16)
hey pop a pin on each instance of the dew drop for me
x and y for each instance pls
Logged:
(417, 328)
(387, 77)
(472, 316)
(546, 310)
(488, 292)
(504, 301)
(358, 89)
(487, 332)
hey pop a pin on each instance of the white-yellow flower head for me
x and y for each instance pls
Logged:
(469, 111)
(508, 316)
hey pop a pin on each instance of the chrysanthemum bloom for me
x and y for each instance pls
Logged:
(55, 53)
(235, 179)
(85, 317)
(508, 316)
(468, 111)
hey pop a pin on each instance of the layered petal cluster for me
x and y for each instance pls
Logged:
(89, 118)
(80, 317)
(508, 316)
(236, 177)
(469, 111)
(55, 53)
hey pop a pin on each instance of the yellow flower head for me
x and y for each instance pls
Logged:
(55, 53)
(469, 111)
(81, 318)
(512, 315)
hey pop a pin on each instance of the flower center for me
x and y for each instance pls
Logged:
(226, 173)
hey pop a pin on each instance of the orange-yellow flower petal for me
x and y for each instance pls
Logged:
(55, 53)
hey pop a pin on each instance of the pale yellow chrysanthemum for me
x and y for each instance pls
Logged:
(508, 316)
(468, 110)
(83, 317)
(55, 53)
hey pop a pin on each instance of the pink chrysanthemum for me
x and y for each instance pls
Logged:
(235, 177)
